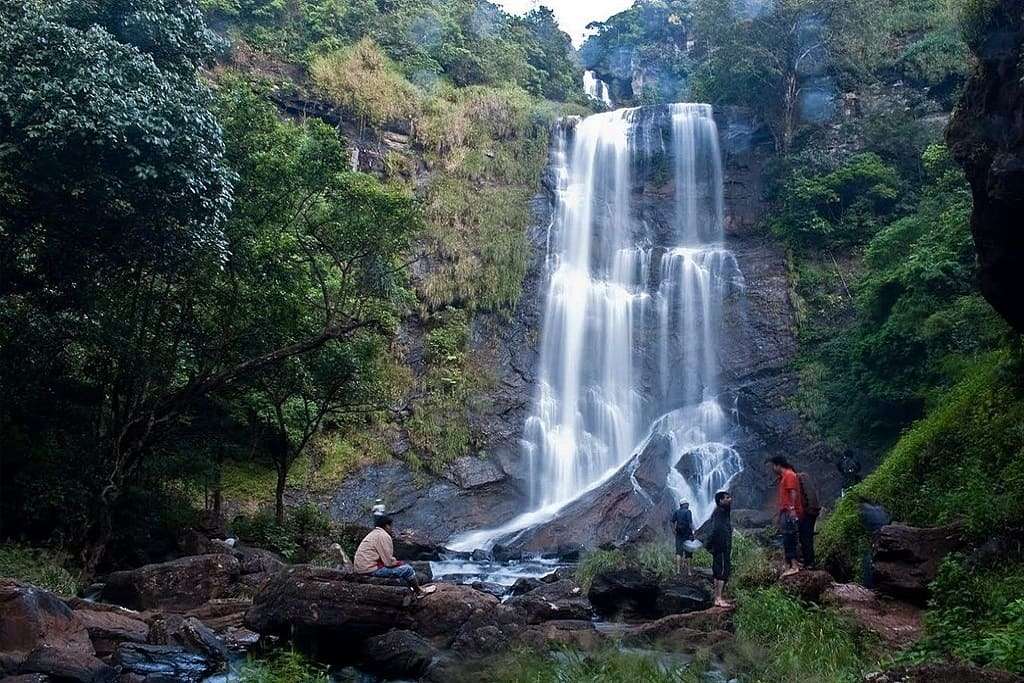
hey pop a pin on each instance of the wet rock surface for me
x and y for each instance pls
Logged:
(986, 135)
(554, 601)
(808, 585)
(398, 654)
(897, 624)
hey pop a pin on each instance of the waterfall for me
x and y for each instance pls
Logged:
(596, 89)
(633, 313)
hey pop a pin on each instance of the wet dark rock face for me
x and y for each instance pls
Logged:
(986, 135)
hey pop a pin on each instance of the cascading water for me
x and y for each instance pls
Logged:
(633, 314)
(595, 88)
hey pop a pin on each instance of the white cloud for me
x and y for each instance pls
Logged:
(573, 15)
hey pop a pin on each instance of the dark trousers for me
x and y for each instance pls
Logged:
(807, 538)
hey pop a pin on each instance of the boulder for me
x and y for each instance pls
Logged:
(897, 624)
(906, 559)
(713, 619)
(681, 594)
(634, 595)
(223, 613)
(257, 560)
(39, 633)
(190, 634)
(441, 614)
(424, 572)
(65, 664)
(323, 605)
(495, 589)
(239, 639)
(524, 585)
(808, 585)
(563, 600)
(489, 632)
(108, 628)
(562, 633)
(179, 585)
(414, 545)
(397, 654)
(946, 672)
(163, 662)
(624, 593)
(502, 553)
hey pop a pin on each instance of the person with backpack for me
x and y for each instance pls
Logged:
(812, 508)
(682, 524)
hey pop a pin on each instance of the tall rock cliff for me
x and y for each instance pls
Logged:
(986, 136)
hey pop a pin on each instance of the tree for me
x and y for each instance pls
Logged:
(128, 296)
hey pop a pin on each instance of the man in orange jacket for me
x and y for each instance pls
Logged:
(791, 510)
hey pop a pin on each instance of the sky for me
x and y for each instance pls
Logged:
(573, 15)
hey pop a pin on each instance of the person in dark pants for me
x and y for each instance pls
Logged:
(849, 469)
(812, 508)
(682, 523)
(720, 544)
(791, 510)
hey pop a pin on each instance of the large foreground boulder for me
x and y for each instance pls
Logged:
(176, 586)
(321, 605)
(439, 616)
(906, 559)
(807, 584)
(635, 595)
(40, 634)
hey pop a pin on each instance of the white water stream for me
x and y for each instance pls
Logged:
(633, 312)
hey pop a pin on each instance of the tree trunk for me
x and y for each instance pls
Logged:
(282, 477)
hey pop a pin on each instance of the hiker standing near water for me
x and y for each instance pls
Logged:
(791, 510)
(682, 523)
(375, 556)
(720, 544)
(812, 508)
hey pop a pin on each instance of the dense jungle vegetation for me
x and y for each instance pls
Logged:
(201, 301)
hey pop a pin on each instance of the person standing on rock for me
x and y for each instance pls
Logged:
(791, 510)
(812, 508)
(720, 544)
(378, 509)
(682, 523)
(375, 556)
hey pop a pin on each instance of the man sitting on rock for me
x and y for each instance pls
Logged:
(375, 556)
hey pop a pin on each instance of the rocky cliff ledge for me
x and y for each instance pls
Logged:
(986, 136)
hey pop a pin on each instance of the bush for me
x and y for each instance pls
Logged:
(655, 558)
(42, 568)
(363, 81)
(977, 614)
(305, 530)
(780, 639)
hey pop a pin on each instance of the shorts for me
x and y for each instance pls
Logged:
(721, 565)
(681, 547)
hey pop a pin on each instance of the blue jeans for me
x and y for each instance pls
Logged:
(404, 572)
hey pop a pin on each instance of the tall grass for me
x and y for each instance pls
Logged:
(781, 640)
(41, 568)
(363, 80)
(284, 666)
(609, 666)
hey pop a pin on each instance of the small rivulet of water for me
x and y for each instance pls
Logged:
(632, 323)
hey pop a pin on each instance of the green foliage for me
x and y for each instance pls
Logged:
(284, 666)
(845, 206)
(976, 614)
(607, 666)
(781, 639)
(299, 539)
(42, 568)
(916, 321)
(964, 460)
